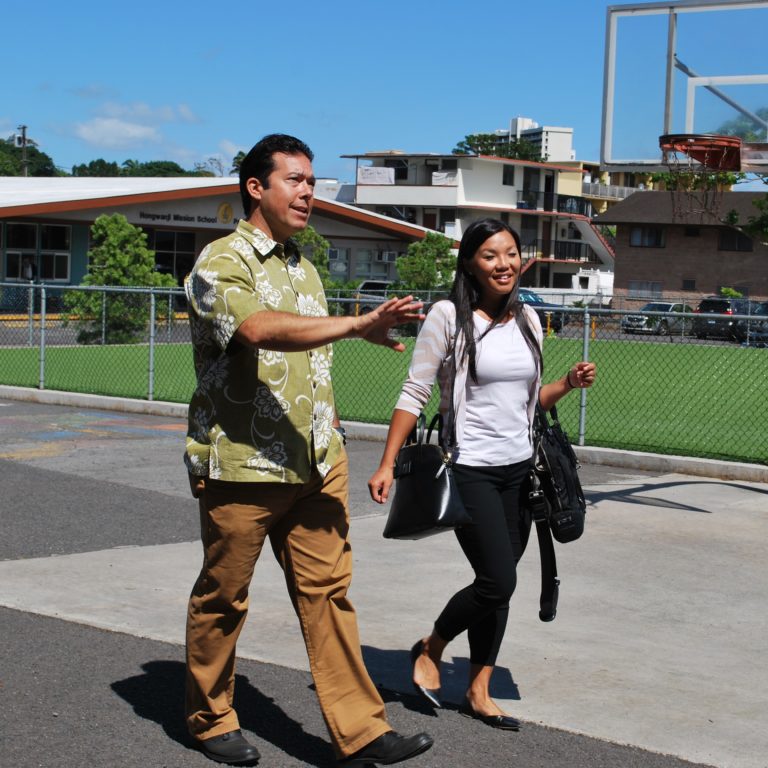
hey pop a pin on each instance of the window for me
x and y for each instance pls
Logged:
(338, 262)
(37, 252)
(174, 252)
(54, 252)
(691, 231)
(644, 289)
(447, 164)
(646, 237)
(733, 240)
(447, 217)
(21, 236)
(508, 175)
(689, 284)
(401, 168)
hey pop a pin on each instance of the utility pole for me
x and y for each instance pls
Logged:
(24, 161)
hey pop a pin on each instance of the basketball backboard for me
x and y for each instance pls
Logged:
(683, 67)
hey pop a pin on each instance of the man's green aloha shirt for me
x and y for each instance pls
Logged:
(256, 415)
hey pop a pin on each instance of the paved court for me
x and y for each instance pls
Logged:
(658, 643)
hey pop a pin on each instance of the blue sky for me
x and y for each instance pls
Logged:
(185, 81)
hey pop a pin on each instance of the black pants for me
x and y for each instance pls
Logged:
(493, 545)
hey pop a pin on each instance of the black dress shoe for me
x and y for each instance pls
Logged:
(389, 748)
(432, 695)
(231, 748)
(502, 722)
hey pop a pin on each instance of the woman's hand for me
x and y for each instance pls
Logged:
(582, 375)
(380, 483)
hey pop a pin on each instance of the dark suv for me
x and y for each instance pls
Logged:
(706, 323)
(557, 318)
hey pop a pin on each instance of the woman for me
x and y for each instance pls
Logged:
(497, 381)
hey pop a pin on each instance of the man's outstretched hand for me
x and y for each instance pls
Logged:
(375, 326)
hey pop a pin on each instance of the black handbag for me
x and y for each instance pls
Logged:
(426, 498)
(555, 500)
(555, 478)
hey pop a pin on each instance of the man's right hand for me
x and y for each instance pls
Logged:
(374, 326)
(196, 485)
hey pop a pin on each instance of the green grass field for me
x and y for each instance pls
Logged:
(686, 399)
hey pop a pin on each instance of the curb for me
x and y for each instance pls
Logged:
(651, 462)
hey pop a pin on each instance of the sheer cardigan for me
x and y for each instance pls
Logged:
(432, 360)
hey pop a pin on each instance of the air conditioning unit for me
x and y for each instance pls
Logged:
(389, 256)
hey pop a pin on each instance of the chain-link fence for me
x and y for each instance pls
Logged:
(668, 382)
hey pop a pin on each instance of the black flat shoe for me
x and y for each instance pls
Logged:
(502, 722)
(231, 748)
(432, 695)
(389, 748)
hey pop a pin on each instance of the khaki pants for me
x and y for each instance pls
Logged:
(307, 527)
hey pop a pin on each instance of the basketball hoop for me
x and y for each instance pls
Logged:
(700, 168)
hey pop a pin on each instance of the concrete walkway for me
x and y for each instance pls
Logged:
(658, 643)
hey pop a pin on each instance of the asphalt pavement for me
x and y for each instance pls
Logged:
(656, 657)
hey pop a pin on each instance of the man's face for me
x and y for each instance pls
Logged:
(285, 204)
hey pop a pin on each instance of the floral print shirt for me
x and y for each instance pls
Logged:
(256, 415)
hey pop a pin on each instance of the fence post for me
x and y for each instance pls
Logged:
(103, 317)
(31, 312)
(169, 316)
(583, 392)
(151, 392)
(41, 380)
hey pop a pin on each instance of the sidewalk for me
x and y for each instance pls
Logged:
(658, 642)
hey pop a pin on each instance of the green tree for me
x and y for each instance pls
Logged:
(38, 163)
(98, 167)
(118, 257)
(211, 166)
(490, 144)
(428, 265)
(744, 127)
(315, 247)
(237, 161)
(154, 168)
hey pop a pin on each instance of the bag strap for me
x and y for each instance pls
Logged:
(451, 444)
(550, 584)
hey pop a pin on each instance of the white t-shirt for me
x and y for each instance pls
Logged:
(496, 430)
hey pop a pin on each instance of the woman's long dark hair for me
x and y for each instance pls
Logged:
(465, 295)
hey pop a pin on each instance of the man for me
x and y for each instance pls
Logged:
(266, 458)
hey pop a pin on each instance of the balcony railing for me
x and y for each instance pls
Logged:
(566, 250)
(535, 200)
(609, 191)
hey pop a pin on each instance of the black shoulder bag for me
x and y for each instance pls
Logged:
(556, 500)
(426, 498)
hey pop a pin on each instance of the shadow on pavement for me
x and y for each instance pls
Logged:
(158, 693)
(391, 670)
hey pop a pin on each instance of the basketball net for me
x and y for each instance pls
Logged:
(700, 169)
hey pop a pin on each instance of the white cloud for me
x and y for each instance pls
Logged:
(186, 114)
(229, 148)
(114, 133)
(142, 112)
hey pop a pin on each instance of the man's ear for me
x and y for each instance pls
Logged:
(255, 189)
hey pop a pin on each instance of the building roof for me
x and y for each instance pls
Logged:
(656, 207)
(42, 196)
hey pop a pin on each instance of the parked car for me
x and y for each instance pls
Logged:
(369, 294)
(758, 334)
(662, 325)
(557, 318)
(707, 325)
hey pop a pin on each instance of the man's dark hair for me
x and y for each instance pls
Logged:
(259, 162)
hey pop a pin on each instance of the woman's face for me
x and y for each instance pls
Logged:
(496, 266)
